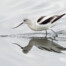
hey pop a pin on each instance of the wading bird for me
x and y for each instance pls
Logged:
(43, 23)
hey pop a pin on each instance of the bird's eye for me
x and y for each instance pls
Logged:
(25, 20)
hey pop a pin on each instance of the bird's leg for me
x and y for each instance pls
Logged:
(54, 33)
(46, 33)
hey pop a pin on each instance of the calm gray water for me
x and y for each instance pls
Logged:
(24, 47)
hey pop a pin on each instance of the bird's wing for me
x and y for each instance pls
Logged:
(58, 17)
(52, 19)
(48, 20)
(40, 18)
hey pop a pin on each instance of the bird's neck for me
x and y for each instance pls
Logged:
(31, 25)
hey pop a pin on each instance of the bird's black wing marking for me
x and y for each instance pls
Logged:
(52, 19)
(40, 18)
(47, 20)
(58, 17)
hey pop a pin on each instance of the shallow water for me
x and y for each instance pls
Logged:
(36, 49)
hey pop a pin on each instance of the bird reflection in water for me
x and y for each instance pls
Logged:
(43, 44)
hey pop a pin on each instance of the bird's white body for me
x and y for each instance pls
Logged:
(38, 27)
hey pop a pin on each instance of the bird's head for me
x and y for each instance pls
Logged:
(25, 21)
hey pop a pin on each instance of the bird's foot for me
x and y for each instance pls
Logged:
(56, 35)
(45, 37)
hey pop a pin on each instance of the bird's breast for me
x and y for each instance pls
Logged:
(37, 27)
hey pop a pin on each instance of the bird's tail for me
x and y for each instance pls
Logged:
(60, 16)
(62, 48)
(63, 15)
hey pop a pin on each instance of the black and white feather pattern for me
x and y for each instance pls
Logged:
(51, 19)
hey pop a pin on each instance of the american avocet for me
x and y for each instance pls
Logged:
(40, 25)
